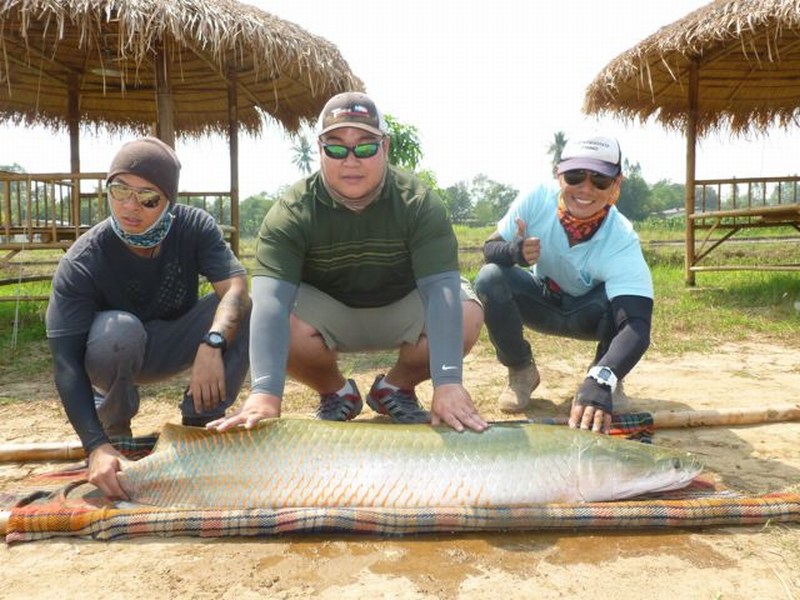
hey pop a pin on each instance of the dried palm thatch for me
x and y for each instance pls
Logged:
(105, 62)
(746, 58)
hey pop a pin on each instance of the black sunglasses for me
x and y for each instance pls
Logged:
(121, 192)
(340, 151)
(578, 176)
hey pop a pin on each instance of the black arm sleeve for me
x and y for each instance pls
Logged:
(632, 316)
(503, 253)
(75, 389)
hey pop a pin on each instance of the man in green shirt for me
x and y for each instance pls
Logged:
(360, 256)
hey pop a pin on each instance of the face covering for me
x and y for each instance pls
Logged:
(150, 237)
(580, 230)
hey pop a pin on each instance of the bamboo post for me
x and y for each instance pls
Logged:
(667, 419)
(691, 167)
(731, 416)
(43, 451)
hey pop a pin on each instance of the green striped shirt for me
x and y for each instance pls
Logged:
(366, 259)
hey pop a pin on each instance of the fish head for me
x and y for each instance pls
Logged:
(618, 469)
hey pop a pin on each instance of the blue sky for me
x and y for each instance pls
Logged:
(486, 83)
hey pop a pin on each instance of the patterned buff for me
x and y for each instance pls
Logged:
(580, 230)
(150, 237)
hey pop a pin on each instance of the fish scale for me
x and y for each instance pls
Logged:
(310, 463)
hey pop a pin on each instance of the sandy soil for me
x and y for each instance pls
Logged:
(719, 563)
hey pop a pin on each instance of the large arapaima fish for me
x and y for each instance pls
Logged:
(308, 463)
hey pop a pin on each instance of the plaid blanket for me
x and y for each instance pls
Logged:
(62, 504)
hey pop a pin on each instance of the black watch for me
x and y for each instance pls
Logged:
(216, 340)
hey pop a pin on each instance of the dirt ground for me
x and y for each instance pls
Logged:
(719, 563)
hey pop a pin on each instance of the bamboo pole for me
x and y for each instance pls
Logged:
(666, 419)
(691, 166)
(730, 416)
(41, 451)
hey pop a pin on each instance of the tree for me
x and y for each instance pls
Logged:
(666, 195)
(634, 197)
(556, 147)
(253, 209)
(490, 199)
(303, 154)
(405, 150)
(459, 202)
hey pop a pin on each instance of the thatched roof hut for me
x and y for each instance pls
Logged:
(744, 54)
(731, 64)
(116, 63)
(167, 67)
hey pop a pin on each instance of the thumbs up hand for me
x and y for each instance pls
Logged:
(529, 248)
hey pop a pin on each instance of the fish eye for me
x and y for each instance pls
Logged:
(677, 463)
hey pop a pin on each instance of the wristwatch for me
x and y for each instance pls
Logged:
(216, 340)
(603, 375)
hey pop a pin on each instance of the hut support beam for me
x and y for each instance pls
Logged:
(165, 116)
(233, 142)
(691, 159)
(73, 122)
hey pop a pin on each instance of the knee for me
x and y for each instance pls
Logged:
(117, 333)
(491, 285)
(116, 338)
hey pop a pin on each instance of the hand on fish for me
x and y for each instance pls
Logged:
(256, 408)
(452, 405)
(592, 407)
(207, 383)
(104, 463)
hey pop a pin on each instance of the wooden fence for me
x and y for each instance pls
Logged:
(49, 211)
(724, 207)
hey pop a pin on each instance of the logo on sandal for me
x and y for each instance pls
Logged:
(449, 367)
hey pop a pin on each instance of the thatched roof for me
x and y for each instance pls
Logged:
(748, 55)
(107, 49)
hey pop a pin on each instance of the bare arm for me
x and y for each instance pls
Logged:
(207, 383)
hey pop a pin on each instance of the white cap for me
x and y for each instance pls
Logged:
(595, 153)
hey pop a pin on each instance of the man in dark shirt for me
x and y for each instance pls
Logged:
(125, 309)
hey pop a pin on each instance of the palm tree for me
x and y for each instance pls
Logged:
(557, 147)
(303, 154)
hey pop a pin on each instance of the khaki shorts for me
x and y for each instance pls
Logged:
(348, 329)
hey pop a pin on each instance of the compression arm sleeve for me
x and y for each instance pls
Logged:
(75, 389)
(632, 316)
(441, 298)
(503, 253)
(273, 300)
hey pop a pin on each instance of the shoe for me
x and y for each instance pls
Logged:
(199, 421)
(401, 405)
(620, 402)
(333, 407)
(521, 383)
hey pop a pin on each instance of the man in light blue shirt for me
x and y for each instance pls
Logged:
(583, 277)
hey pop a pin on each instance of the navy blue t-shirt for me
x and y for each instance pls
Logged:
(100, 273)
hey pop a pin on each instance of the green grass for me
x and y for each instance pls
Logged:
(724, 307)
(22, 340)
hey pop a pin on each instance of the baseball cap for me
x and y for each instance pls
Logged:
(597, 153)
(352, 109)
(150, 159)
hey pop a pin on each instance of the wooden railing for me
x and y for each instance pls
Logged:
(51, 210)
(724, 207)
